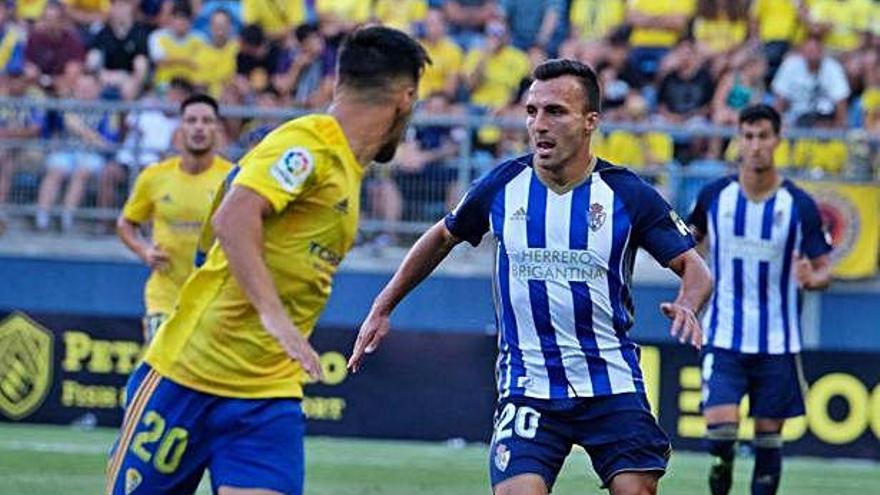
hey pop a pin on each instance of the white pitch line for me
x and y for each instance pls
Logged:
(59, 447)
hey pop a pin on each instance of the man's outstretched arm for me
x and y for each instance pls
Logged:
(431, 248)
(696, 287)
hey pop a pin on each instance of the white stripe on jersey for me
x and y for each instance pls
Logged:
(560, 297)
(599, 243)
(561, 302)
(742, 316)
(536, 380)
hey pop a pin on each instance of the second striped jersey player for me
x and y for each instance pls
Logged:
(764, 240)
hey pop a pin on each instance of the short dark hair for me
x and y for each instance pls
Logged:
(200, 98)
(371, 57)
(303, 31)
(252, 35)
(755, 113)
(182, 9)
(553, 68)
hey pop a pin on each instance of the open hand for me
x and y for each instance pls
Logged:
(685, 326)
(156, 258)
(294, 343)
(372, 331)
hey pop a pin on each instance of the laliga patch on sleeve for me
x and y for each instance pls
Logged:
(293, 168)
(679, 223)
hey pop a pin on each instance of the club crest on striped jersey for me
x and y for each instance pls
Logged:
(597, 216)
(502, 457)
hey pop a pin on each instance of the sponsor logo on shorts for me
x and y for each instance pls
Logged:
(502, 457)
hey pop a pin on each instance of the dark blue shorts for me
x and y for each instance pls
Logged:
(535, 436)
(774, 382)
(171, 434)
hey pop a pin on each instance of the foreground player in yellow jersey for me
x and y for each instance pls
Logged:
(175, 195)
(221, 384)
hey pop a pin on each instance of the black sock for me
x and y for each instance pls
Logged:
(721, 437)
(768, 463)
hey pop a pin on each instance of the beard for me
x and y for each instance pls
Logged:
(386, 152)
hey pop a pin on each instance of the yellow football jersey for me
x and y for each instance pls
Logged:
(176, 202)
(214, 341)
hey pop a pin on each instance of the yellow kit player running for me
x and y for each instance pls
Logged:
(221, 384)
(175, 195)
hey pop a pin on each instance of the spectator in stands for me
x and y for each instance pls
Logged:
(218, 57)
(446, 57)
(421, 184)
(347, 13)
(493, 73)
(16, 123)
(657, 26)
(12, 42)
(741, 86)
(175, 50)
(401, 14)
(777, 23)
(119, 50)
(100, 132)
(593, 20)
(305, 74)
(54, 51)
(533, 22)
(720, 28)
(276, 18)
(468, 19)
(685, 93)
(30, 11)
(149, 138)
(811, 82)
(871, 99)
(649, 152)
(89, 15)
(615, 90)
(257, 61)
(842, 23)
(231, 127)
(819, 157)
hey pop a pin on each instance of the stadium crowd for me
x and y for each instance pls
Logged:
(680, 64)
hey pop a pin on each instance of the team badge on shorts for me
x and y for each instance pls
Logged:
(597, 216)
(502, 457)
(133, 480)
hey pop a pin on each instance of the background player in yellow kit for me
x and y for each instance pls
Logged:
(175, 195)
(221, 384)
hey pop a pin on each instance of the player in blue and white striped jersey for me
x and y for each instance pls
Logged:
(567, 226)
(763, 236)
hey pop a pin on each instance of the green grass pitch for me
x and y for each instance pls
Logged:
(49, 460)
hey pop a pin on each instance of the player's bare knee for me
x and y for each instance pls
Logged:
(634, 484)
(524, 484)
(721, 414)
(768, 425)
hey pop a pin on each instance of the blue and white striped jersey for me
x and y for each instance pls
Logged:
(755, 307)
(563, 272)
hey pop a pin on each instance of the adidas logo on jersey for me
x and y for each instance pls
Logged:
(342, 206)
(520, 214)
